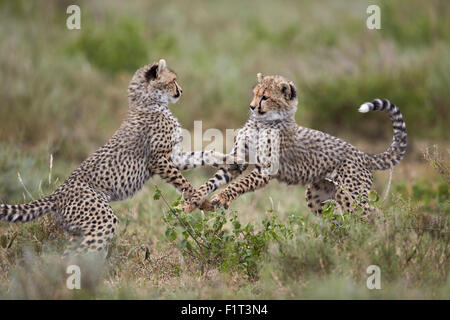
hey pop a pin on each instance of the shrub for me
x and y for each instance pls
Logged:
(219, 239)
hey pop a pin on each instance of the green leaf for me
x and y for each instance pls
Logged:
(176, 202)
(183, 244)
(185, 234)
(249, 228)
(157, 194)
(373, 196)
(171, 234)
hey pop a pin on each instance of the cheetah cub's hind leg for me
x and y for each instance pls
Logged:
(90, 220)
(318, 193)
(354, 182)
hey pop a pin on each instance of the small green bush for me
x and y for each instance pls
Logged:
(219, 239)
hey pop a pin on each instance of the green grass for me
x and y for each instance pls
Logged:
(267, 246)
(63, 93)
(67, 88)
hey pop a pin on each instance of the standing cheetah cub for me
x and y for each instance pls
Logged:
(142, 147)
(331, 168)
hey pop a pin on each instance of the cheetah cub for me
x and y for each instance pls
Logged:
(142, 147)
(331, 168)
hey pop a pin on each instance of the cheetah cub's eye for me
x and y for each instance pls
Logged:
(264, 98)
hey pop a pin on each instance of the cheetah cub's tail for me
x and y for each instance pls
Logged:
(397, 149)
(27, 212)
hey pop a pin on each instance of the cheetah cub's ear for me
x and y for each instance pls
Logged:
(161, 65)
(155, 70)
(152, 73)
(288, 89)
(260, 77)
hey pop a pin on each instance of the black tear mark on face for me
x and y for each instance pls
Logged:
(151, 73)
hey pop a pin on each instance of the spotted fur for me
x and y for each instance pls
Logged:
(142, 147)
(332, 169)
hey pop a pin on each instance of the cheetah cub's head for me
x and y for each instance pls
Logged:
(274, 98)
(154, 84)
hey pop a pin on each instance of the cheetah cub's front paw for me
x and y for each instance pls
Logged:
(207, 206)
(220, 200)
(191, 205)
(188, 206)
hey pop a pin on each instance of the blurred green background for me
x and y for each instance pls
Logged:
(65, 90)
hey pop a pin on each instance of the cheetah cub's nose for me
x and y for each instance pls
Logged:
(252, 107)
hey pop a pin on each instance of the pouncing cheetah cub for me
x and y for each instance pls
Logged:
(331, 168)
(142, 147)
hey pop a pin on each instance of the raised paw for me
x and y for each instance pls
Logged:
(207, 206)
(189, 206)
(220, 200)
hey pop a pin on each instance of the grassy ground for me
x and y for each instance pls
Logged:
(63, 94)
(408, 239)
